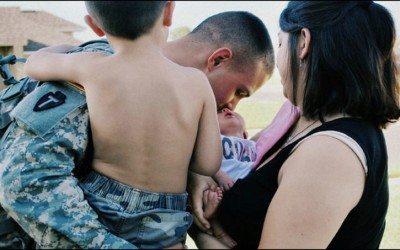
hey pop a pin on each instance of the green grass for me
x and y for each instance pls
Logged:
(258, 115)
(391, 238)
(394, 173)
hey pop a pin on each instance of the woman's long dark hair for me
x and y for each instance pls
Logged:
(350, 66)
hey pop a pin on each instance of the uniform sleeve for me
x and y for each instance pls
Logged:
(39, 192)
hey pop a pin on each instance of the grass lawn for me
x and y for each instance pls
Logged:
(394, 172)
(258, 115)
(391, 238)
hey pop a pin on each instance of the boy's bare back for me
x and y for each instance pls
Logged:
(151, 119)
(148, 115)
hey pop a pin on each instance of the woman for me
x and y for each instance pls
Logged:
(324, 184)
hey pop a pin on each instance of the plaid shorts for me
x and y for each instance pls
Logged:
(146, 219)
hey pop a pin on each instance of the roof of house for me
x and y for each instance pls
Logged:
(17, 27)
(56, 22)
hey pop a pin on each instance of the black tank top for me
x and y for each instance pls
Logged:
(243, 208)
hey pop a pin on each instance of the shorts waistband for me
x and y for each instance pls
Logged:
(130, 198)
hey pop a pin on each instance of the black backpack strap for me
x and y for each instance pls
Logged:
(10, 97)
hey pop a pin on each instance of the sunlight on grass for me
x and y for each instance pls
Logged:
(394, 173)
(258, 115)
(391, 238)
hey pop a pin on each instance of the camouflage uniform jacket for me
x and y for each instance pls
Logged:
(38, 154)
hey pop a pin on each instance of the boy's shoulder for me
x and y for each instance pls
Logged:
(196, 77)
(199, 84)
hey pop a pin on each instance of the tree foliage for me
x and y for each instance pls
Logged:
(179, 32)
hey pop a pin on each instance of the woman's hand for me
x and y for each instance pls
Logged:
(197, 184)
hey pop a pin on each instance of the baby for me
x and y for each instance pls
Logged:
(238, 152)
(240, 156)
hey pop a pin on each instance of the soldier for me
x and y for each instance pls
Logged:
(49, 137)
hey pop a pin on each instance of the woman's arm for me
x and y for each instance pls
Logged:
(319, 185)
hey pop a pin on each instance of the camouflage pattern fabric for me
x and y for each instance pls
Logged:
(11, 235)
(10, 97)
(38, 153)
(149, 220)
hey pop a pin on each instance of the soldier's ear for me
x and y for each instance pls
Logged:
(93, 25)
(220, 57)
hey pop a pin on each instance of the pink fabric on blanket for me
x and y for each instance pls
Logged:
(284, 119)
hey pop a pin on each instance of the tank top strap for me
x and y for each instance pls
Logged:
(347, 140)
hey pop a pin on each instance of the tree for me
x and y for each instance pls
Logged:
(179, 32)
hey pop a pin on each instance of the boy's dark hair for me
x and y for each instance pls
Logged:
(244, 33)
(125, 19)
(350, 66)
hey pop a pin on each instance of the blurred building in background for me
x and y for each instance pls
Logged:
(23, 32)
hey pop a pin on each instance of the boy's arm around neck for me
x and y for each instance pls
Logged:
(51, 64)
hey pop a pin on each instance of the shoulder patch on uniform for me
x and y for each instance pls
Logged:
(55, 101)
(50, 100)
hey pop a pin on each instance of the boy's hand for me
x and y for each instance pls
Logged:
(197, 184)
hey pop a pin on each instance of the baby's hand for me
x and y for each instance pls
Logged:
(224, 181)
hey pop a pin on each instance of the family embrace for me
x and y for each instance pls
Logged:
(133, 142)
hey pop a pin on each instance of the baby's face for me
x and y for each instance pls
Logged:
(231, 124)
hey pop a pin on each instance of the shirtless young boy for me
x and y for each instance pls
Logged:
(151, 120)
